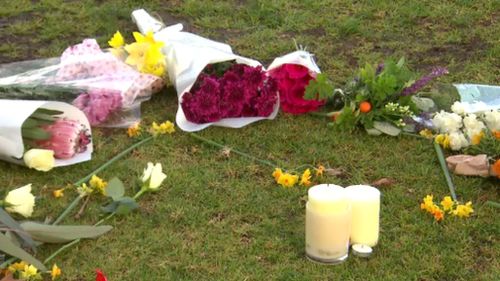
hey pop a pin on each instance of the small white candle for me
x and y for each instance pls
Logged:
(365, 202)
(328, 220)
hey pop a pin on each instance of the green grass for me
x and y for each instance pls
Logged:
(219, 218)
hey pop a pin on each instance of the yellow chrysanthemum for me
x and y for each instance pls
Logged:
(166, 127)
(320, 170)
(55, 272)
(447, 203)
(426, 133)
(134, 130)
(117, 40)
(288, 180)
(277, 174)
(476, 139)
(98, 184)
(464, 211)
(58, 193)
(305, 179)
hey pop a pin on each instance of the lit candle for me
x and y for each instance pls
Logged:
(365, 203)
(328, 221)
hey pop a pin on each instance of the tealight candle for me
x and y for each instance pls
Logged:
(365, 202)
(328, 221)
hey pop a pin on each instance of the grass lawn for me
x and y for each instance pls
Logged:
(220, 218)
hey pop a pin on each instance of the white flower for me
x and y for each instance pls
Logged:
(153, 176)
(458, 108)
(446, 122)
(21, 201)
(39, 159)
(458, 141)
(492, 119)
(473, 126)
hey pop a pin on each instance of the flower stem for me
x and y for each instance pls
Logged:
(99, 169)
(444, 167)
(264, 162)
(491, 203)
(7, 262)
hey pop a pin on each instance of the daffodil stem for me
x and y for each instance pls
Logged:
(100, 169)
(76, 241)
(444, 167)
(7, 262)
(235, 151)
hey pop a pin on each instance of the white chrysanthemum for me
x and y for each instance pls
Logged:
(446, 122)
(458, 108)
(458, 141)
(492, 119)
(472, 125)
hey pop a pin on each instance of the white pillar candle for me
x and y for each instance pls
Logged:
(328, 220)
(365, 202)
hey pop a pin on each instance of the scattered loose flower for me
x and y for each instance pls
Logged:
(153, 176)
(55, 272)
(58, 193)
(134, 130)
(98, 184)
(166, 127)
(305, 179)
(20, 201)
(320, 170)
(461, 210)
(288, 180)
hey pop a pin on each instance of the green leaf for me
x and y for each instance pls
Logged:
(111, 207)
(401, 62)
(48, 111)
(126, 205)
(386, 128)
(16, 229)
(62, 233)
(35, 134)
(319, 89)
(115, 189)
(11, 249)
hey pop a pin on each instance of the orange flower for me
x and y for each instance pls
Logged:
(320, 170)
(438, 214)
(496, 134)
(496, 168)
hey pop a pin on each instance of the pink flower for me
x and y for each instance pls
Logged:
(292, 82)
(98, 104)
(68, 137)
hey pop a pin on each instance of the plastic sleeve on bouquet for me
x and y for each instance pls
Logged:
(478, 98)
(298, 57)
(13, 113)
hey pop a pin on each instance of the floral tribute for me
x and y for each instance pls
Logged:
(230, 90)
(290, 179)
(292, 82)
(446, 206)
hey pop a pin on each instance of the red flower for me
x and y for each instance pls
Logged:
(292, 82)
(100, 276)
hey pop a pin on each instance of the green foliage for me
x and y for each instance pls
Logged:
(122, 205)
(488, 145)
(31, 129)
(320, 88)
(47, 233)
(10, 248)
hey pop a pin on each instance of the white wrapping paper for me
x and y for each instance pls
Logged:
(13, 113)
(187, 55)
(479, 98)
(300, 57)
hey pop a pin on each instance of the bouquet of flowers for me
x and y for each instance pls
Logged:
(43, 135)
(214, 86)
(383, 98)
(293, 73)
(476, 135)
(106, 88)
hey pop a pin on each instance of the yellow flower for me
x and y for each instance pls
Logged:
(98, 184)
(428, 204)
(305, 179)
(443, 140)
(438, 214)
(134, 130)
(288, 180)
(39, 159)
(464, 211)
(277, 174)
(166, 127)
(148, 38)
(136, 54)
(18, 266)
(21, 201)
(117, 40)
(320, 170)
(447, 203)
(84, 190)
(476, 139)
(426, 133)
(55, 272)
(29, 271)
(58, 193)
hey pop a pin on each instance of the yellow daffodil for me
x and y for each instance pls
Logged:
(476, 139)
(438, 214)
(136, 54)
(305, 179)
(29, 272)
(277, 174)
(84, 190)
(447, 203)
(117, 40)
(320, 170)
(148, 38)
(55, 272)
(288, 180)
(134, 130)
(464, 211)
(166, 127)
(428, 204)
(96, 183)
(443, 140)
(18, 266)
(58, 193)
(426, 133)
